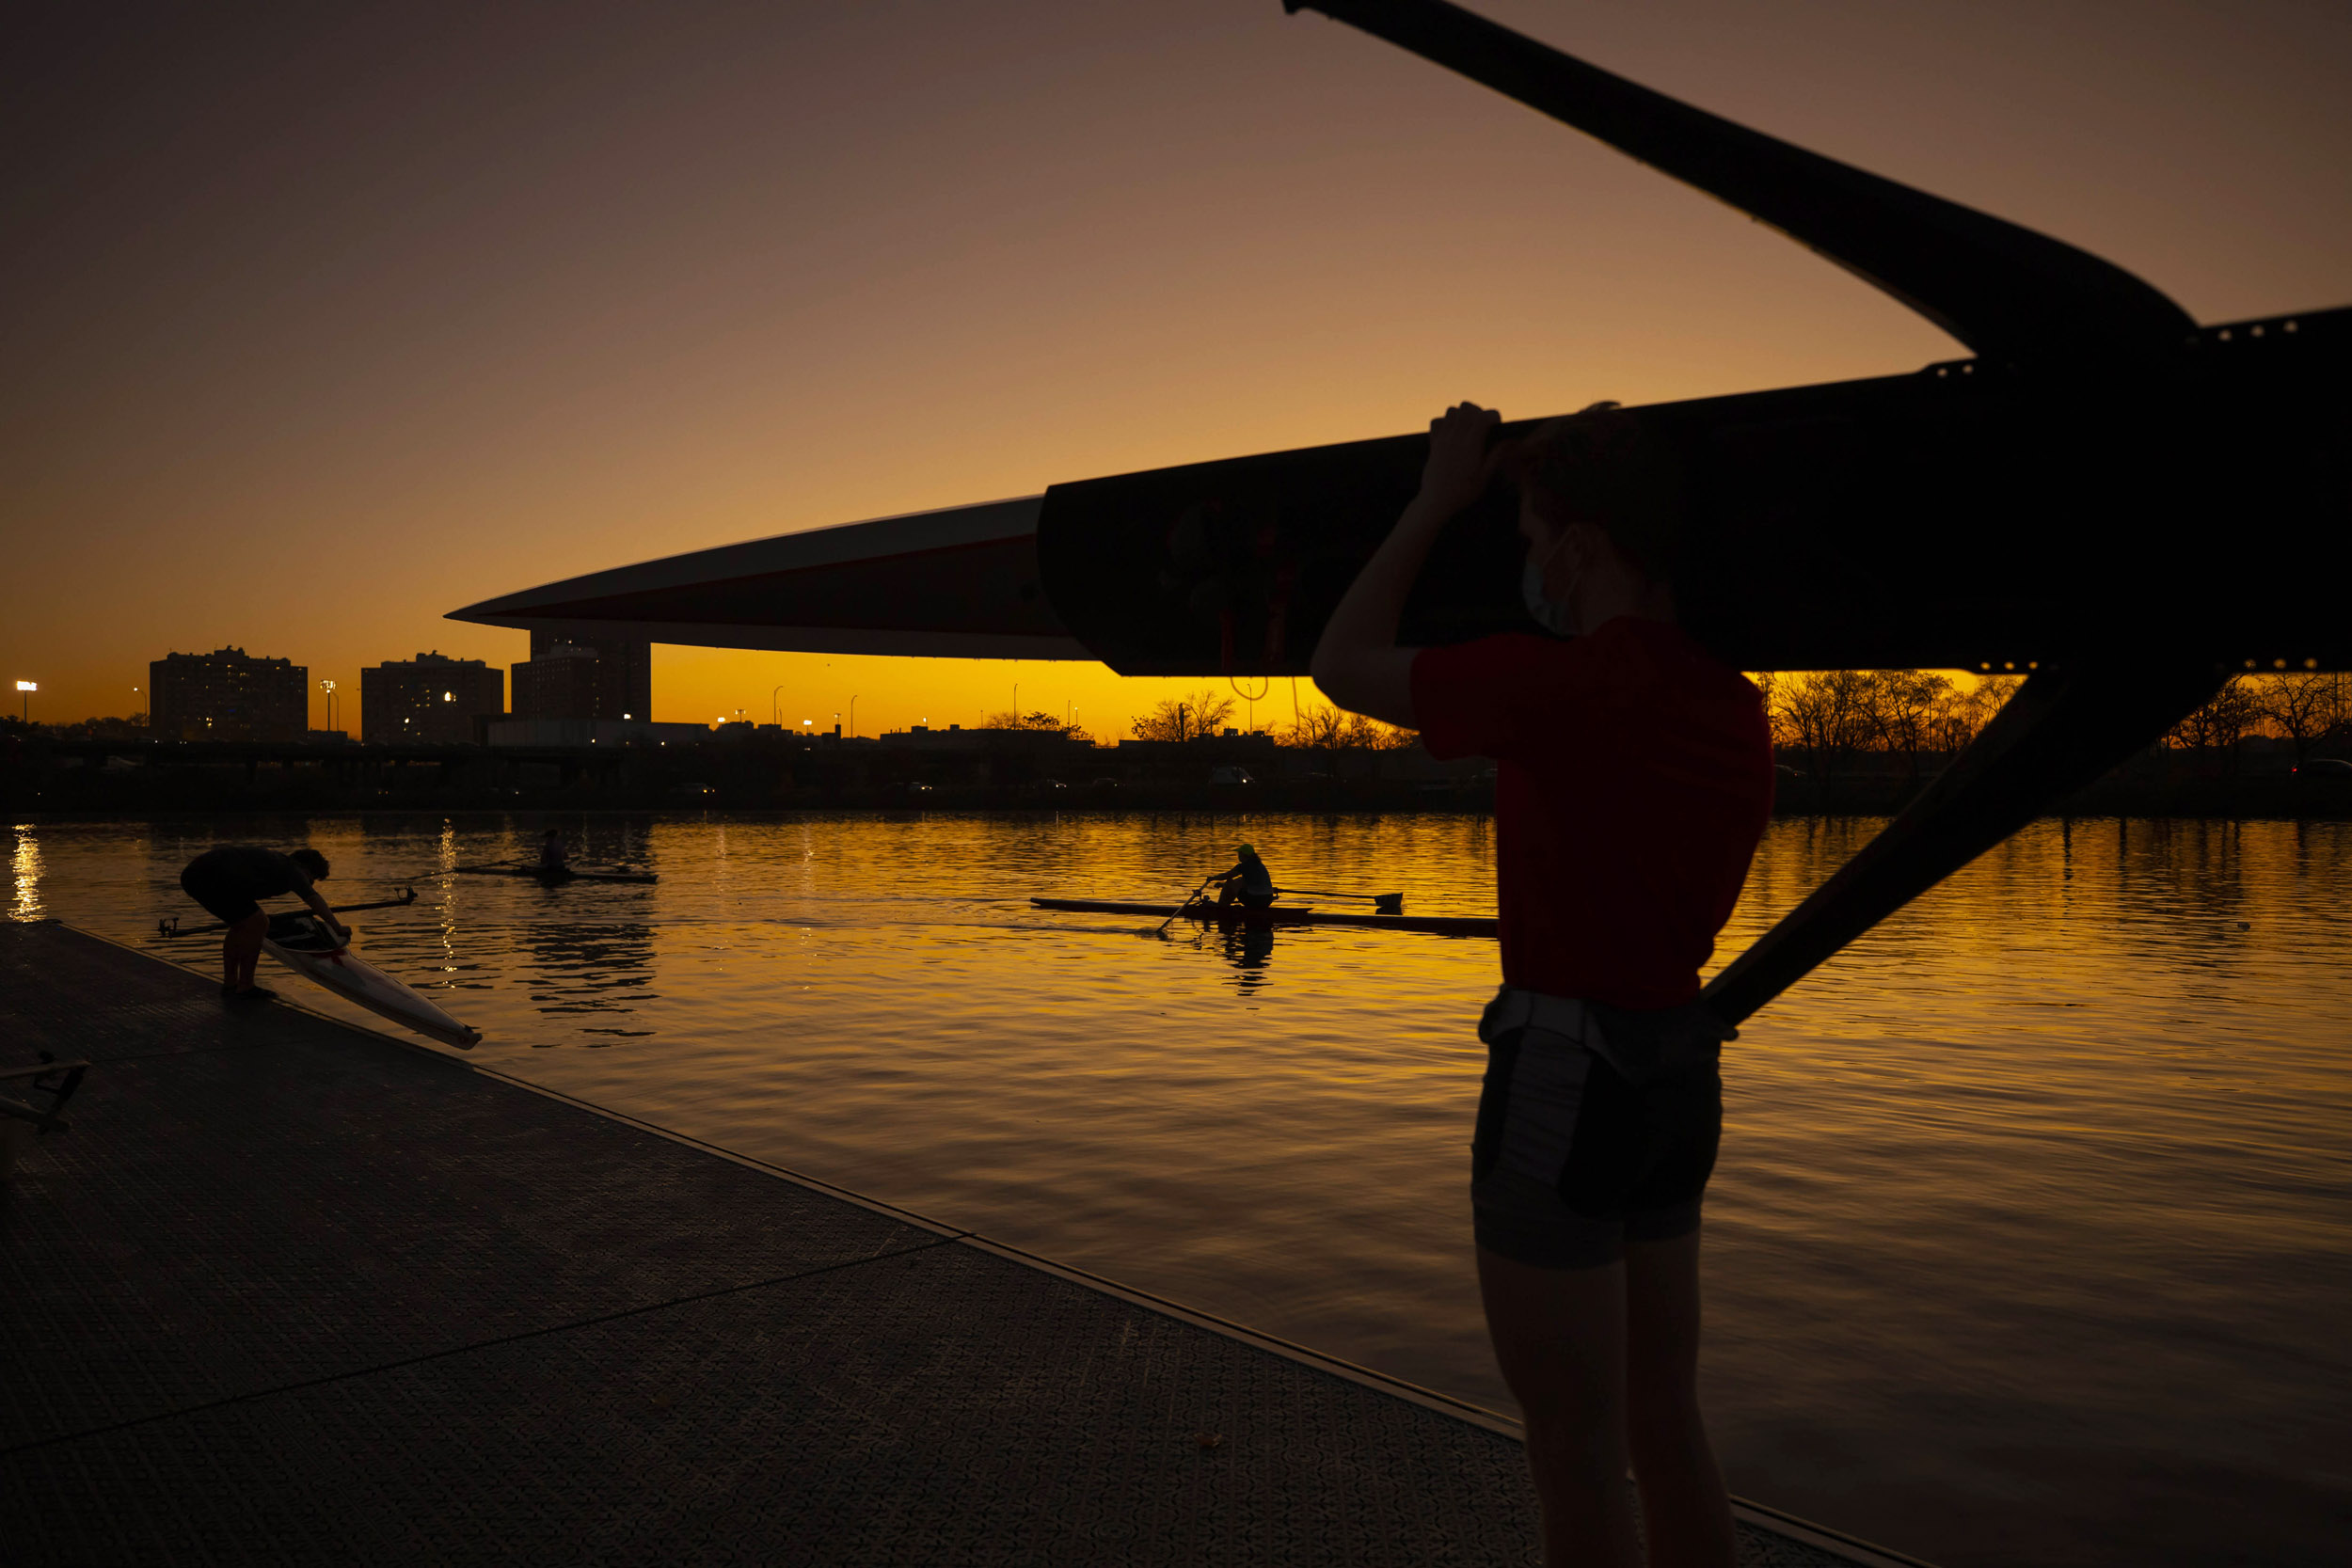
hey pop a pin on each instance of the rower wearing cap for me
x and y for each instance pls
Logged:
(1249, 882)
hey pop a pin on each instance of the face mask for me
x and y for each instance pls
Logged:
(1554, 616)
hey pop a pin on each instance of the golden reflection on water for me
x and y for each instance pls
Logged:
(25, 863)
(2030, 1223)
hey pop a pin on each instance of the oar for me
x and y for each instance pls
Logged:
(173, 929)
(1385, 903)
(1187, 902)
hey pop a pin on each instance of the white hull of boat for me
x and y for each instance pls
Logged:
(355, 980)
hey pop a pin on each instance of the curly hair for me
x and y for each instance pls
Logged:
(1606, 467)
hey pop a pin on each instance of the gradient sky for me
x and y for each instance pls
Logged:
(317, 322)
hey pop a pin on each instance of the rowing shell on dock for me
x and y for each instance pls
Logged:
(1281, 914)
(302, 943)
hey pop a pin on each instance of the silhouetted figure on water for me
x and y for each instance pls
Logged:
(1634, 778)
(1249, 881)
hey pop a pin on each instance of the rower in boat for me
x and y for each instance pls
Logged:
(1248, 882)
(551, 857)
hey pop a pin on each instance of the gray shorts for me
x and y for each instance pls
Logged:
(1575, 1156)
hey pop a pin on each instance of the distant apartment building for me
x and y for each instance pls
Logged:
(228, 695)
(559, 683)
(429, 700)
(568, 677)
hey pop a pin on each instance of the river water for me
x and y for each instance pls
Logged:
(2029, 1244)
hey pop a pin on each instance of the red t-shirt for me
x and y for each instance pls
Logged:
(1634, 779)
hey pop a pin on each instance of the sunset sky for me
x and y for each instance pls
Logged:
(318, 321)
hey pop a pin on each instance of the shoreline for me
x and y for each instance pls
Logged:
(988, 770)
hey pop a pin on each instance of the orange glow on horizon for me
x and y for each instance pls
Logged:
(338, 324)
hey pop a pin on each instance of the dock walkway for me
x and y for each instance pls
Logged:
(290, 1291)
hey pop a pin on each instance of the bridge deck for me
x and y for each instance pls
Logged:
(292, 1290)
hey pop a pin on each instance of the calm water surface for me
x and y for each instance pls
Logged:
(2029, 1244)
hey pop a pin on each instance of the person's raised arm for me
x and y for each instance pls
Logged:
(1357, 663)
(317, 900)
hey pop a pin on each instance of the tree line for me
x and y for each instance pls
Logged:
(1317, 726)
(2311, 712)
(1198, 715)
(1831, 716)
(1835, 715)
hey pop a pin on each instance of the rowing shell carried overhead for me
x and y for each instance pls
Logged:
(1284, 914)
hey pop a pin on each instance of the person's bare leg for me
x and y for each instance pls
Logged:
(241, 950)
(1684, 1504)
(1558, 1335)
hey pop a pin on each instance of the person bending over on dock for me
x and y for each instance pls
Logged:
(1634, 778)
(230, 881)
(1248, 880)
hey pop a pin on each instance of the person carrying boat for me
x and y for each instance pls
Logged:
(1635, 780)
(230, 881)
(1249, 881)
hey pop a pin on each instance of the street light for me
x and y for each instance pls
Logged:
(328, 687)
(26, 689)
(776, 706)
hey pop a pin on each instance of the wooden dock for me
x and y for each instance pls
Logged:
(289, 1291)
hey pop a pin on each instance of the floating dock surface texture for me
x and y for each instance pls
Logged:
(289, 1291)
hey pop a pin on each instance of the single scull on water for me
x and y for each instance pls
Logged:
(554, 874)
(1284, 914)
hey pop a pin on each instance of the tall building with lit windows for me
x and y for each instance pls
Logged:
(567, 678)
(228, 695)
(429, 700)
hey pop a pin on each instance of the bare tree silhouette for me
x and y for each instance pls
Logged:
(1185, 718)
(2304, 709)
